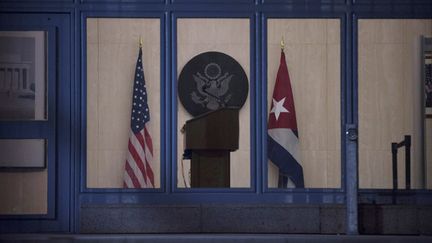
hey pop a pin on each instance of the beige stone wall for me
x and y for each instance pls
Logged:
(312, 50)
(24, 192)
(428, 152)
(389, 103)
(112, 50)
(230, 36)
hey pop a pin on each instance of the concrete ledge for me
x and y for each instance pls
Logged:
(240, 218)
(424, 215)
(225, 238)
(395, 219)
(260, 218)
(333, 219)
(139, 219)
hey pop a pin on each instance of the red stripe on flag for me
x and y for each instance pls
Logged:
(150, 173)
(140, 139)
(131, 174)
(148, 140)
(138, 160)
(148, 143)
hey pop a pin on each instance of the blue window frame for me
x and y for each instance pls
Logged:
(39, 129)
(330, 195)
(415, 11)
(253, 100)
(164, 96)
(169, 193)
(55, 129)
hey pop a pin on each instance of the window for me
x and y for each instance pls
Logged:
(312, 52)
(390, 103)
(23, 97)
(230, 37)
(112, 51)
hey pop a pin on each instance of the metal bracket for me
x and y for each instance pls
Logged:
(352, 133)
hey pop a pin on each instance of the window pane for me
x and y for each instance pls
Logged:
(22, 75)
(22, 153)
(23, 189)
(390, 102)
(112, 51)
(312, 54)
(230, 37)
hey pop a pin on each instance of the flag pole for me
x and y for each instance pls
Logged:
(140, 41)
(282, 44)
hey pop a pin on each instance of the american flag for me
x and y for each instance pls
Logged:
(139, 161)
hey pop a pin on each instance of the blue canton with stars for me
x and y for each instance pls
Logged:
(140, 110)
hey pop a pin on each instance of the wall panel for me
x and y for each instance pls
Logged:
(389, 103)
(24, 192)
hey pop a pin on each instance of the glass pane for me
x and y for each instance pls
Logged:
(391, 105)
(22, 75)
(304, 146)
(218, 163)
(112, 52)
(22, 153)
(23, 186)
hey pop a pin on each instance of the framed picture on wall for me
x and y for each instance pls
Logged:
(23, 89)
(22, 75)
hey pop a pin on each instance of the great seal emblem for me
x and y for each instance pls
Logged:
(210, 81)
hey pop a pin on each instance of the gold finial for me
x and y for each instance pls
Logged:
(140, 42)
(282, 43)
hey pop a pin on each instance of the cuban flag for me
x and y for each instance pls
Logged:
(282, 140)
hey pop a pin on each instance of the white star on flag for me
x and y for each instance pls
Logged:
(278, 107)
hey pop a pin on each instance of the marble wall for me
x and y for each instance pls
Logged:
(389, 99)
(428, 152)
(24, 192)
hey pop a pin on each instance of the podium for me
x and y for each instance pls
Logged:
(210, 138)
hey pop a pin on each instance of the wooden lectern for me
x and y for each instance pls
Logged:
(211, 137)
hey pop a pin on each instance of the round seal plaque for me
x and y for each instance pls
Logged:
(210, 81)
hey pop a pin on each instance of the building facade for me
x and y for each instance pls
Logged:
(359, 70)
